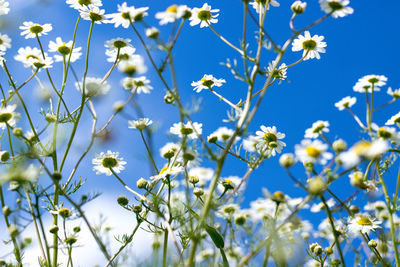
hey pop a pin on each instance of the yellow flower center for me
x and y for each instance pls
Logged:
(382, 132)
(313, 151)
(84, 2)
(64, 49)
(36, 29)
(207, 83)
(172, 9)
(335, 5)
(204, 15)
(163, 170)
(109, 162)
(364, 221)
(361, 148)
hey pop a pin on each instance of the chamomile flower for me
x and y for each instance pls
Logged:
(171, 171)
(259, 5)
(222, 134)
(311, 46)
(5, 42)
(94, 87)
(203, 16)
(207, 82)
(363, 149)
(366, 83)
(79, 4)
(278, 73)
(385, 132)
(33, 58)
(186, 129)
(229, 183)
(140, 124)
(169, 15)
(363, 223)
(251, 143)
(152, 32)
(4, 7)
(394, 93)
(270, 139)
(121, 44)
(338, 8)
(138, 85)
(346, 102)
(169, 150)
(127, 14)
(312, 151)
(64, 50)
(318, 128)
(103, 162)
(124, 54)
(31, 30)
(94, 14)
(8, 116)
(134, 64)
(395, 119)
(227, 211)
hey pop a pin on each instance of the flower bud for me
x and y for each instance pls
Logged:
(188, 156)
(240, 219)
(137, 209)
(76, 229)
(357, 180)
(278, 197)
(64, 212)
(56, 176)
(212, 139)
(71, 240)
(152, 33)
(54, 229)
(6, 211)
(50, 118)
(339, 146)
(298, 7)
(17, 132)
(142, 183)
(286, 160)
(13, 230)
(329, 250)
(198, 192)
(123, 200)
(118, 106)
(372, 243)
(169, 98)
(193, 179)
(316, 185)
(317, 250)
(4, 155)
(354, 209)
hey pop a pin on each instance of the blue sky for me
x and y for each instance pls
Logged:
(360, 44)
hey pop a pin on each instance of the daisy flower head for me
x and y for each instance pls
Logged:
(186, 129)
(251, 143)
(64, 50)
(207, 82)
(133, 64)
(363, 223)
(169, 150)
(93, 87)
(227, 211)
(394, 93)
(277, 73)
(121, 44)
(259, 5)
(385, 132)
(312, 151)
(31, 30)
(270, 139)
(140, 124)
(124, 54)
(338, 8)
(4, 9)
(311, 46)
(172, 13)
(79, 4)
(298, 7)
(167, 171)
(103, 162)
(94, 14)
(346, 102)
(8, 116)
(126, 15)
(203, 16)
(139, 85)
(33, 58)
(152, 32)
(363, 149)
(369, 82)
(5, 42)
(222, 134)
(395, 119)
(318, 128)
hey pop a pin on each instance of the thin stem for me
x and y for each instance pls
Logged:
(128, 188)
(224, 99)
(149, 152)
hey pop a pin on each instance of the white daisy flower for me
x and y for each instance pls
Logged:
(4, 7)
(395, 119)
(298, 7)
(171, 171)
(223, 134)
(394, 93)
(65, 49)
(269, 139)
(8, 116)
(152, 32)
(259, 5)
(203, 16)
(121, 44)
(169, 15)
(186, 129)
(367, 82)
(229, 183)
(94, 14)
(338, 7)
(363, 149)
(278, 73)
(124, 54)
(94, 87)
(346, 102)
(31, 29)
(5, 42)
(133, 65)
(363, 223)
(318, 128)
(169, 150)
(208, 81)
(33, 57)
(251, 143)
(139, 84)
(311, 46)
(140, 124)
(262, 208)
(227, 211)
(104, 161)
(79, 4)
(385, 132)
(127, 14)
(312, 151)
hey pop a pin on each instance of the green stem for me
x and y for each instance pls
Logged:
(149, 152)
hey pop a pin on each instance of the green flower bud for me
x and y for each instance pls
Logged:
(142, 183)
(123, 200)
